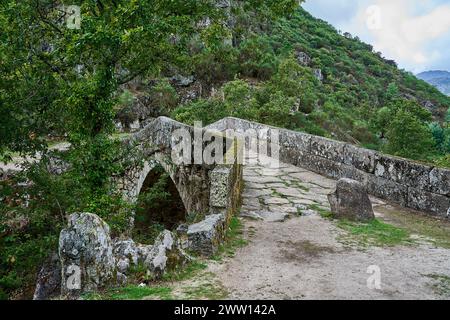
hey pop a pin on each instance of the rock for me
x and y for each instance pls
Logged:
(220, 186)
(351, 201)
(273, 216)
(135, 126)
(440, 181)
(165, 255)
(251, 214)
(302, 58)
(205, 236)
(121, 279)
(182, 229)
(48, 284)
(126, 253)
(182, 81)
(223, 4)
(275, 200)
(57, 166)
(430, 106)
(182, 236)
(86, 254)
(318, 74)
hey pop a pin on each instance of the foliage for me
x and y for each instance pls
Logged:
(375, 233)
(34, 209)
(233, 240)
(132, 293)
(164, 96)
(206, 111)
(257, 58)
(408, 137)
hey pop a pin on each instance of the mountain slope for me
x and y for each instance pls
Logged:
(438, 79)
(354, 81)
(348, 62)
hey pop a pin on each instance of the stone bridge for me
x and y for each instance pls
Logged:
(404, 182)
(211, 188)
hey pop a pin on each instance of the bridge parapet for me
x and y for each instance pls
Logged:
(405, 182)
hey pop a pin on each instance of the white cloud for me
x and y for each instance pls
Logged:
(415, 33)
(403, 35)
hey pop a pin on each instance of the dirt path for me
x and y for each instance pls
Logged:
(292, 256)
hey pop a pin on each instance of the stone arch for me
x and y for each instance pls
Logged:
(168, 212)
(192, 182)
(148, 167)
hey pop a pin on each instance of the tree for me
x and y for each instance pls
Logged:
(408, 136)
(277, 110)
(438, 134)
(381, 121)
(392, 92)
(384, 116)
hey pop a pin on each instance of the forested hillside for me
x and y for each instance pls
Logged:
(302, 74)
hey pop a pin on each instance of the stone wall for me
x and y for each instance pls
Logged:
(205, 237)
(212, 190)
(408, 183)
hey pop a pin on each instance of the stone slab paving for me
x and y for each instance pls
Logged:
(272, 193)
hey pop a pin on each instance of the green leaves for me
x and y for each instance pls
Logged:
(408, 136)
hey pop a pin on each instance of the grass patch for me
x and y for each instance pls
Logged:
(275, 193)
(324, 213)
(185, 273)
(441, 284)
(233, 240)
(161, 290)
(132, 293)
(436, 231)
(121, 135)
(194, 217)
(375, 232)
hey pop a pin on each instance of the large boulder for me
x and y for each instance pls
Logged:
(48, 284)
(90, 260)
(86, 254)
(206, 236)
(165, 255)
(126, 253)
(351, 201)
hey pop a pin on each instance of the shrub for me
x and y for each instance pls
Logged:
(408, 137)
(164, 96)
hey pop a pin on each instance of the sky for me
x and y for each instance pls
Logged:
(415, 33)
